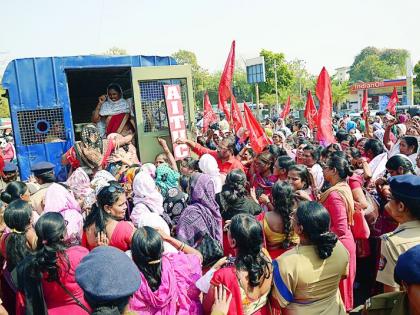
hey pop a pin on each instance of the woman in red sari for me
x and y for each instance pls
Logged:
(104, 224)
(250, 277)
(47, 278)
(114, 114)
(339, 202)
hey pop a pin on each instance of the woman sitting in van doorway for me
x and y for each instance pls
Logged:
(114, 114)
(92, 152)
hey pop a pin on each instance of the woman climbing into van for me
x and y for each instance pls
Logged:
(92, 151)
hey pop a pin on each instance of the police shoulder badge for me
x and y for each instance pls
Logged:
(382, 263)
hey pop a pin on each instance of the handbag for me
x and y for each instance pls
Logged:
(80, 304)
(360, 228)
(211, 250)
(372, 210)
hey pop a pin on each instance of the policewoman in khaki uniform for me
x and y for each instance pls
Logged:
(404, 207)
(407, 302)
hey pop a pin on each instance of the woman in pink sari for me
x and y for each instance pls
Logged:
(59, 199)
(167, 280)
(79, 184)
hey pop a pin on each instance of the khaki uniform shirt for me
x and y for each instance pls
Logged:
(392, 303)
(393, 244)
(37, 199)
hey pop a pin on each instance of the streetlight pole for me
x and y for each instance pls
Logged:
(275, 79)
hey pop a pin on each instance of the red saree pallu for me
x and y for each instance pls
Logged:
(116, 123)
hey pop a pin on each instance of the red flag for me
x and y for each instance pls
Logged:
(257, 137)
(365, 102)
(324, 121)
(392, 105)
(286, 109)
(210, 116)
(236, 115)
(225, 90)
(311, 113)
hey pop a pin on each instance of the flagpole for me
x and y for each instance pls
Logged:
(257, 96)
(275, 79)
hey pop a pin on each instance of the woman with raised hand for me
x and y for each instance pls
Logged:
(47, 278)
(306, 277)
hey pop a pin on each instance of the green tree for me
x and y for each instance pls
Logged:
(200, 76)
(373, 64)
(340, 92)
(416, 71)
(284, 75)
(116, 51)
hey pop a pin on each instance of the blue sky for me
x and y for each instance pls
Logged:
(321, 32)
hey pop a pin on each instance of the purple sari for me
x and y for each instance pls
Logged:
(202, 216)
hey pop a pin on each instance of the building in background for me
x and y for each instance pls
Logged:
(342, 74)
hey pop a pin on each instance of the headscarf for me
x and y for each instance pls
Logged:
(166, 178)
(79, 184)
(402, 118)
(402, 129)
(110, 108)
(150, 168)
(376, 126)
(101, 180)
(59, 199)
(208, 165)
(268, 132)
(130, 174)
(202, 216)
(145, 192)
(351, 125)
(305, 129)
(379, 134)
(91, 152)
(178, 272)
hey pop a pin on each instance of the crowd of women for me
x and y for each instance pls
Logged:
(294, 229)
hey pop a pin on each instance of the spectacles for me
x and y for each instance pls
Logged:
(113, 188)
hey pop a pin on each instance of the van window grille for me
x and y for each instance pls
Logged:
(153, 103)
(41, 126)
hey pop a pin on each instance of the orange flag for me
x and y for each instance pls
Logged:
(393, 101)
(324, 121)
(225, 89)
(286, 109)
(257, 137)
(209, 116)
(311, 113)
